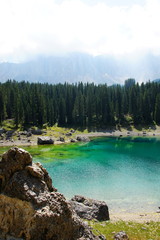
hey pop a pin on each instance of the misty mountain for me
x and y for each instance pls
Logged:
(157, 80)
(77, 67)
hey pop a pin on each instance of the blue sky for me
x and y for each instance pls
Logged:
(48, 27)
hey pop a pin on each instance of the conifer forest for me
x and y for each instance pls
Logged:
(82, 105)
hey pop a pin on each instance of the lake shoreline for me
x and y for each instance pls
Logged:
(122, 133)
(32, 141)
(126, 216)
(135, 217)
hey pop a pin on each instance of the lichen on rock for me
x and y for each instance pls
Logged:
(30, 207)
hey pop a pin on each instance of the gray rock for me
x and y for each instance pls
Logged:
(68, 134)
(2, 136)
(29, 134)
(44, 140)
(2, 131)
(82, 139)
(9, 134)
(143, 228)
(73, 140)
(121, 236)
(36, 131)
(102, 237)
(89, 209)
(24, 133)
(72, 131)
(61, 139)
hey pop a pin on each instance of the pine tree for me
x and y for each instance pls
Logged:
(157, 109)
(62, 112)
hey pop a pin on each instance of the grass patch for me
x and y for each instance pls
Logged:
(134, 230)
(57, 131)
(8, 124)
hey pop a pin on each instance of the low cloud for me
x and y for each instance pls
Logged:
(31, 27)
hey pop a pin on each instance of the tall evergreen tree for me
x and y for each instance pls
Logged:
(157, 109)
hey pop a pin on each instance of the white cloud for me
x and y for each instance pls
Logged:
(30, 27)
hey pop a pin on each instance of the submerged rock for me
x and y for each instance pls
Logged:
(45, 140)
(89, 208)
(30, 207)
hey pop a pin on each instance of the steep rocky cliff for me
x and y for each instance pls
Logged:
(30, 207)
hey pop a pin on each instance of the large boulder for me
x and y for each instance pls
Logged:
(89, 208)
(83, 139)
(44, 140)
(30, 207)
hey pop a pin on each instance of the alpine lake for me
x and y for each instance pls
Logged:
(124, 172)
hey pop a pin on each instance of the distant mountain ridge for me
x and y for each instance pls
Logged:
(83, 67)
(157, 80)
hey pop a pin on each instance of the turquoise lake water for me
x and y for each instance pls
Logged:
(125, 172)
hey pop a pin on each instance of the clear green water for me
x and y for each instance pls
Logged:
(125, 172)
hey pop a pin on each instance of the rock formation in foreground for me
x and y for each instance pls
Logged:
(89, 208)
(30, 207)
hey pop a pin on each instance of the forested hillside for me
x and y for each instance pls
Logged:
(81, 105)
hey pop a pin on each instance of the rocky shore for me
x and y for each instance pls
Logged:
(34, 137)
(39, 137)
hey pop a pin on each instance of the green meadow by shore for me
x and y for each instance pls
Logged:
(56, 132)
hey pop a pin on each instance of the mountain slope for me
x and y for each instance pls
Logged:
(83, 67)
